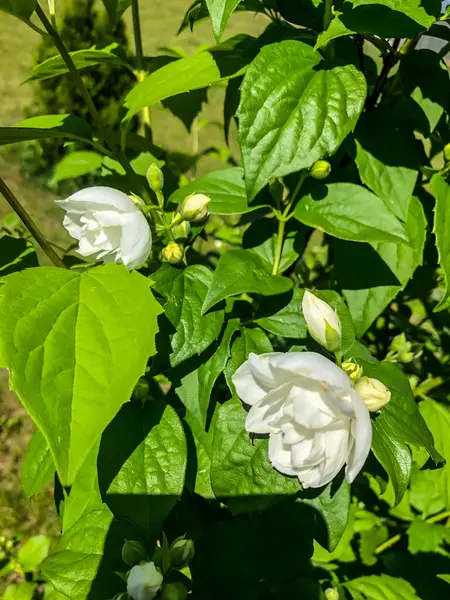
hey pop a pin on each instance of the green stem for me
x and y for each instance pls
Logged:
(389, 61)
(30, 224)
(279, 248)
(445, 50)
(52, 12)
(338, 359)
(328, 14)
(137, 35)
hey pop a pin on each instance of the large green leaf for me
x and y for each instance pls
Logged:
(77, 164)
(293, 112)
(185, 291)
(380, 587)
(38, 467)
(33, 552)
(350, 212)
(47, 126)
(423, 12)
(18, 8)
(242, 271)
(85, 562)
(225, 187)
(196, 387)
(441, 192)
(241, 473)
(75, 347)
(220, 12)
(390, 170)
(16, 254)
(20, 591)
(142, 477)
(116, 8)
(379, 270)
(82, 59)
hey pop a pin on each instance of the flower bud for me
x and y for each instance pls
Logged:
(181, 553)
(155, 178)
(447, 152)
(374, 393)
(173, 253)
(174, 591)
(144, 581)
(133, 552)
(353, 370)
(323, 323)
(320, 169)
(181, 231)
(331, 594)
(194, 207)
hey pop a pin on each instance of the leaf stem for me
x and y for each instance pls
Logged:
(30, 224)
(389, 61)
(338, 359)
(328, 14)
(279, 248)
(141, 73)
(444, 50)
(52, 12)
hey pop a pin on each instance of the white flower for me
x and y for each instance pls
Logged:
(316, 421)
(374, 393)
(144, 581)
(322, 321)
(108, 223)
(194, 207)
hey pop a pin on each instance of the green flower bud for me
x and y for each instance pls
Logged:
(331, 594)
(181, 231)
(447, 152)
(353, 370)
(398, 342)
(173, 253)
(174, 591)
(155, 178)
(181, 553)
(133, 552)
(320, 169)
(194, 207)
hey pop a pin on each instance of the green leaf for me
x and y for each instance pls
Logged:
(38, 467)
(428, 537)
(428, 492)
(380, 587)
(116, 8)
(76, 164)
(336, 29)
(445, 578)
(185, 291)
(82, 59)
(47, 126)
(18, 8)
(441, 192)
(242, 271)
(241, 473)
(142, 477)
(390, 170)
(20, 591)
(220, 12)
(75, 347)
(15, 255)
(226, 189)
(203, 449)
(423, 12)
(379, 270)
(350, 212)
(196, 387)
(293, 112)
(284, 315)
(84, 562)
(33, 552)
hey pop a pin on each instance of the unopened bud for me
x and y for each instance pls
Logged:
(181, 231)
(320, 169)
(373, 392)
(144, 581)
(194, 207)
(323, 323)
(173, 253)
(155, 178)
(447, 152)
(133, 552)
(174, 591)
(353, 370)
(398, 342)
(181, 553)
(331, 594)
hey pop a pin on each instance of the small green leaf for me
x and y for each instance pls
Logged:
(241, 271)
(15, 255)
(225, 187)
(350, 212)
(38, 467)
(441, 192)
(292, 112)
(381, 587)
(220, 12)
(284, 315)
(116, 8)
(20, 591)
(75, 346)
(185, 291)
(33, 552)
(428, 537)
(445, 578)
(18, 8)
(47, 126)
(241, 473)
(82, 59)
(142, 477)
(336, 29)
(76, 164)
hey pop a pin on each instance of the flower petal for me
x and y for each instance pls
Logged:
(98, 198)
(136, 240)
(267, 411)
(289, 365)
(280, 455)
(362, 438)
